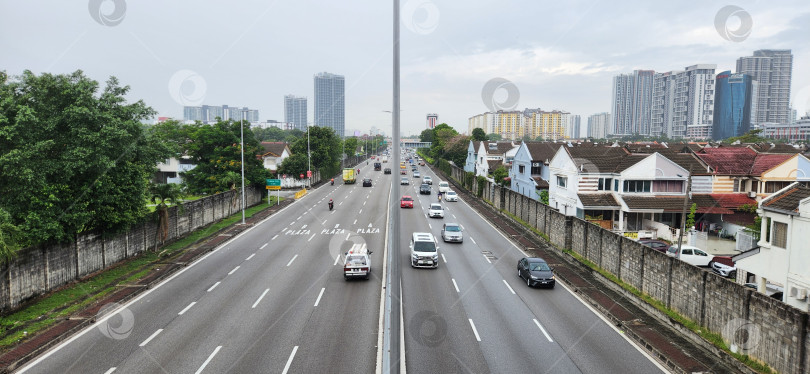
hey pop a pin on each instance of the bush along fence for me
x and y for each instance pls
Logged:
(766, 330)
(40, 269)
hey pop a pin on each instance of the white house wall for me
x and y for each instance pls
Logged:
(798, 275)
(563, 199)
(654, 166)
(523, 183)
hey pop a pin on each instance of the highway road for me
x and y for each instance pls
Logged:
(273, 300)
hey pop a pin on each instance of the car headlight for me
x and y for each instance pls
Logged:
(414, 256)
(435, 257)
(533, 277)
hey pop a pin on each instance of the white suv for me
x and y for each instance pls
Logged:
(427, 180)
(424, 252)
(444, 186)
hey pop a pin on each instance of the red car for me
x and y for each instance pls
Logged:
(406, 202)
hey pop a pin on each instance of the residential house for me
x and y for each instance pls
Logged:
(169, 170)
(274, 154)
(529, 172)
(491, 151)
(472, 156)
(782, 258)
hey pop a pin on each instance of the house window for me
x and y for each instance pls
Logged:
(779, 235)
(637, 186)
(604, 184)
(537, 168)
(562, 181)
(521, 169)
(616, 185)
(667, 186)
(736, 185)
(771, 187)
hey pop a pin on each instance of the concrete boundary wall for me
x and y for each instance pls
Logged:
(43, 268)
(779, 335)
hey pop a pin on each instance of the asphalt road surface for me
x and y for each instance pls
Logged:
(273, 300)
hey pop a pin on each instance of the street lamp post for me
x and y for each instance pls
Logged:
(242, 148)
(309, 160)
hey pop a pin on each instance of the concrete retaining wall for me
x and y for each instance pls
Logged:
(43, 268)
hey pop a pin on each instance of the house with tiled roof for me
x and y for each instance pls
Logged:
(743, 170)
(529, 172)
(491, 151)
(781, 257)
(472, 156)
(273, 154)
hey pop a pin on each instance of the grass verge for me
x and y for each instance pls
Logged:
(49, 310)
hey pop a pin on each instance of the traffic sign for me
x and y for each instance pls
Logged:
(273, 184)
(309, 173)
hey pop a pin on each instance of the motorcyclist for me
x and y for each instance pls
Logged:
(440, 195)
(332, 181)
(331, 204)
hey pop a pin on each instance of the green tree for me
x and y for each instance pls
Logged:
(456, 150)
(294, 165)
(426, 135)
(752, 136)
(442, 134)
(479, 135)
(543, 196)
(350, 146)
(9, 237)
(538, 139)
(690, 218)
(325, 148)
(499, 174)
(493, 137)
(164, 195)
(73, 157)
(215, 149)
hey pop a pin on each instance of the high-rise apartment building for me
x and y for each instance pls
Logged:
(547, 125)
(632, 103)
(330, 104)
(508, 124)
(295, 111)
(772, 70)
(572, 130)
(681, 99)
(479, 121)
(732, 105)
(598, 124)
(515, 124)
(432, 120)
(208, 114)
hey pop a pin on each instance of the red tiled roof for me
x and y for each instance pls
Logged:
(729, 160)
(787, 200)
(541, 183)
(542, 151)
(763, 162)
(598, 200)
(674, 204)
(273, 148)
(733, 200)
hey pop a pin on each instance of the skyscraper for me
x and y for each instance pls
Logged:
(632, 103)
(732, 105)
(330, 105)
(432, 119)
(772, 70)
(598, 124)
(572, 130)
(295, 111)
(681, 99)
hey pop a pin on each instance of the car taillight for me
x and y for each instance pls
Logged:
(363, 269)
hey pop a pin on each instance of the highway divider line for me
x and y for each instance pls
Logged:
(260, 298)
(290, 360)
(249, 257)
(149, 339)
(211, 357)
(291, 261)
(112, 369)
(509, 287)
(455, 285)
(477, 337)
(186, 308)
(318, 300)
(542, 329)
(234, 270)
(381, 319)
(487, 258)
(214, 286)
(310, 238)
(444, 259)
(265, 244)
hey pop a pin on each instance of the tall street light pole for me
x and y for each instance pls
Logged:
(242, 147)
(309, 160)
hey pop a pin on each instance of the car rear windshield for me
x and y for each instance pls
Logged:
(356, 260)
(424, 247)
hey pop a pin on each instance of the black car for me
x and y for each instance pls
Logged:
(536, 272)
(387, 171)
(366, 182)
(424, 189)
(658, 245)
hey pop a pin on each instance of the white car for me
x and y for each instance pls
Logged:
(404, 181)
(691, 255)
(427, 180)
(450, 196)
(436, 210)
(444, 186)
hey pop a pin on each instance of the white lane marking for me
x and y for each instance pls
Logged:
(319, 296)
(361, 211)
(542, 329)
(487, 258)
(260, 298)
(341, 203)
(337, 258)
(265, 244)
(452, 215)
(431, 226)
(234, 270)
(355, 222)
(289, 360)
(293, 259)
(426, 215)
(509, 287)
(462, 227)
(299, 217)
(214, 353)
(337, 225)
(249, 257)
(310, 238)
(112, 369)
(348, 235)
(303, 227)
(364, 203)
(154, 334)
(186, 308)
(324, 222)
(444, 259)
(273, 238)
(454, 284)
(214, 286)
(477, 337)
(473, 240)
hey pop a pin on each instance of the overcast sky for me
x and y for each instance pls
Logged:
(558, 55)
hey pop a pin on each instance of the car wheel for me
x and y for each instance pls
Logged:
(733, 274)
(519, 276)
(367, 276)
(711, 264)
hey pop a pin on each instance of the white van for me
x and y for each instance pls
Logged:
(444, 186)
(424, 252)
(357, 263)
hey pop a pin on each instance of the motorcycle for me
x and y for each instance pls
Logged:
(332, 182)
(331, 205)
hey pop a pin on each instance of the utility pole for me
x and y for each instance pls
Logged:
(686, 197)
(242, 148)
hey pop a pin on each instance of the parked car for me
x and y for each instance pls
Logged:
(404, 181)
(436, 210)
(406, 202)
(387, 171)
(366, 182)
(424, 189)
(723, 269)
(691, 255)
(536, 272)
(658, 245)
(451, 232)
(450, 196)
(427, 179)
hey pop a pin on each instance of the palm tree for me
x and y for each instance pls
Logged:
(9, 236)
(164, 194)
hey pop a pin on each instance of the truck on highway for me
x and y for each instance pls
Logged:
(377, 166)
(384, 158)
(348, 176)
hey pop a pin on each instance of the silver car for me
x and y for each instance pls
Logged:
(451, 232)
